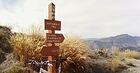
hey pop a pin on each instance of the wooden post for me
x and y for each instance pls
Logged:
(51, 16)
(52, 51)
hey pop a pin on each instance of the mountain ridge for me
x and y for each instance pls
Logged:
(122, 41)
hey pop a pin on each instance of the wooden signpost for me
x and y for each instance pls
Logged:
(52, 25)
(54, 38)
(51, 50)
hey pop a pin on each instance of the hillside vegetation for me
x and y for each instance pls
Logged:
(5, 46)
(80, 58)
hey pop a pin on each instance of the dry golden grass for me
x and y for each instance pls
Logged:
(79, 58)
(76, 52)
(115, 65)
(131, 54)
(110, 61)
(26, 46)
(73, 48)
(126, 53)
(119, 60)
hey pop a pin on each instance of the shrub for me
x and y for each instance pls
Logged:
(25, 45)
(103, 52)
(131, 54)
(125, 54)
(76, 52)
(115, 65)
(5, 34)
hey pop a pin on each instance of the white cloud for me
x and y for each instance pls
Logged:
(88, 18)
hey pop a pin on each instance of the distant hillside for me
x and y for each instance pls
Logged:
(121, 41)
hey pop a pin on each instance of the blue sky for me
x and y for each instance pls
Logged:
(8, 4)
(85, 18)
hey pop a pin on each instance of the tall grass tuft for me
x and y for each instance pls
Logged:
(76, 52)
(131, 54)
(26, 46)
(125, 53)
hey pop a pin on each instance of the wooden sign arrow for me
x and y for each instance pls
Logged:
(54, 38)
(52, 25)
(50, 51)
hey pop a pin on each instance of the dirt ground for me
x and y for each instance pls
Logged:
(135, 68)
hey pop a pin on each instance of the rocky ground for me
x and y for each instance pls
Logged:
(134, 67)
(10, 60)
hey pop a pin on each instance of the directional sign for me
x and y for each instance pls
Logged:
(52, 25)
(50, 51)
(54, 38)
